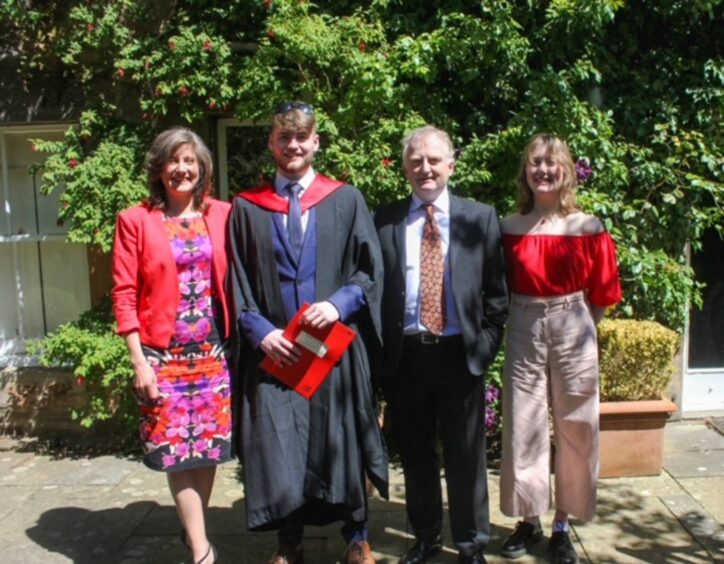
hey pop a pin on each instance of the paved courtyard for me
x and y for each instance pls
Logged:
(110, 509)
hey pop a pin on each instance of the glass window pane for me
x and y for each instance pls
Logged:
(706, 325)
(25, 190)
(8, 310)
(247, 155)
(28, 292)
(66, 290)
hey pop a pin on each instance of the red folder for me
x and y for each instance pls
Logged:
(321, 350)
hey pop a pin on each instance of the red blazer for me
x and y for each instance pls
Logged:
(146, 290)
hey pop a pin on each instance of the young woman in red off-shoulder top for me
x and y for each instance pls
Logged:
(563, 274)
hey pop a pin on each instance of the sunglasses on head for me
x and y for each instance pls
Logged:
(285, 107)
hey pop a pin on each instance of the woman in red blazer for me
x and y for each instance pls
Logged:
(170, 302)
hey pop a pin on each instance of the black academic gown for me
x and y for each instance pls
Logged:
(308, 458)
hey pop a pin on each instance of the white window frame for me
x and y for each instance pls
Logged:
(702, 389)
(12, 353)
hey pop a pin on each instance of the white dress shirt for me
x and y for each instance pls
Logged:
(281, 181)
(413, 242)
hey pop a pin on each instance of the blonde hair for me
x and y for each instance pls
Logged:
(162, 149)
(558, 150)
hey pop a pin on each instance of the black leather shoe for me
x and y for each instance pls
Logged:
(421, 551)
(477, 558)
(562, 551)
(523, 537)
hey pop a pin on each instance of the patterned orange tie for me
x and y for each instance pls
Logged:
(432, 272)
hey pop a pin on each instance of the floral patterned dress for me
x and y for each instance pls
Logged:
(189, 426)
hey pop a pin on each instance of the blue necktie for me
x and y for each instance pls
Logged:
(294, 221)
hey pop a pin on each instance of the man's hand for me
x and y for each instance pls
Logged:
(320, 315)
(279, 349)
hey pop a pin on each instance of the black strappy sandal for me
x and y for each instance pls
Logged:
(212, 551)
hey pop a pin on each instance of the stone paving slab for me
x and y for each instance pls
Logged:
(695, 464)
(80, 528)
(109, 509)
(708, 492)
(687, 437)
(634, 525)
(42, 470)
(702, 526)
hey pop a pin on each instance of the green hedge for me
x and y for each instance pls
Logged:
(636, 359)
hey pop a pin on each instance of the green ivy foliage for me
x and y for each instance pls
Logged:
(636, 87)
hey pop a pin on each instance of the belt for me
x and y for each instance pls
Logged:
(430, 339)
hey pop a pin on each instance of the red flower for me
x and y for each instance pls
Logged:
(80, 380)
(362, 46)
(386, 162)
(271, 35)
(121, 72)
(213, 105)
(72, 163)
(90, 28)
(172, 45)
(208, 46)
(184, 91)
(268, 3)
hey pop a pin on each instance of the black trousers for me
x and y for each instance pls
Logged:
(433, 390)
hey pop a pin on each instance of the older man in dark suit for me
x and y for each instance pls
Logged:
(444, 306)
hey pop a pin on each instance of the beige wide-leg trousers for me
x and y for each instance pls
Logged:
(551, 361)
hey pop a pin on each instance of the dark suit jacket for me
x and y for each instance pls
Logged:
(477, 276)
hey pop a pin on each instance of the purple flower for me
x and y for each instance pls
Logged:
(168, 460)
(492, 394)
(182, 450)
(491, 419)
(200, 446)
(583, 170)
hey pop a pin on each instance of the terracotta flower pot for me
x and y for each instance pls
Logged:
(632, 437)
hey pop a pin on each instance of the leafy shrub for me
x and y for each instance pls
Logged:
(100, 362)
(635, 359)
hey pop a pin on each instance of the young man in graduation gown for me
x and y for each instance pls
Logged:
(306, 238)
(444, 306)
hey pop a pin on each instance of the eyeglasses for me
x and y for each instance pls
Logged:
(285, 107)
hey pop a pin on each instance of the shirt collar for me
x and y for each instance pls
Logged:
(441, 203)
(281, 181)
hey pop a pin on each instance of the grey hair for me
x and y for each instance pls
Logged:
(414, 136)
(162, 149)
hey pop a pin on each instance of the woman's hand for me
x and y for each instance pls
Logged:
(145, 385)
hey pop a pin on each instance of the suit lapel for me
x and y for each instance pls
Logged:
(456, 209)
(399, 235)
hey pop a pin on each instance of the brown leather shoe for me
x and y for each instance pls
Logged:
(287, 555)
(358, 552)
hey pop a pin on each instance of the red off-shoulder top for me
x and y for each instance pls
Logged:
(555, 265)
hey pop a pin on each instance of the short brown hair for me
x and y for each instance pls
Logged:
(162, 149)
(558, 149)
(295, 119)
